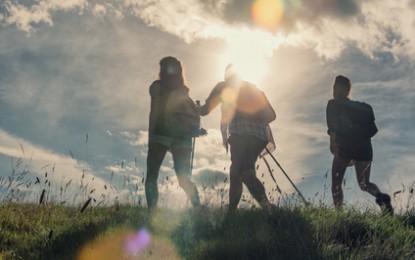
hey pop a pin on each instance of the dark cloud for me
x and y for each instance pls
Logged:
(310, 12)
(386, 66)
(238, 12)
(213, 6)
(335, 8)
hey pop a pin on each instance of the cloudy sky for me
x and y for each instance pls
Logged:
(74, 78)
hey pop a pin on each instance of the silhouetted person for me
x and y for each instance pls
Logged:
(163, 139)
(246, 115)
(350, 144)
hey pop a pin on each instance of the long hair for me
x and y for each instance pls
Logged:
(171, 72)
(341, 87)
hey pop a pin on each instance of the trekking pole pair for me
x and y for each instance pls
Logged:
(286, 175)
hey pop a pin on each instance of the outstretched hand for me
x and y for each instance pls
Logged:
(202, 132)
(198, 106)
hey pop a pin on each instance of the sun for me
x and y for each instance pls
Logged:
(249, 55)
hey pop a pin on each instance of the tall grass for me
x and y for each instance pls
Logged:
(41, 218)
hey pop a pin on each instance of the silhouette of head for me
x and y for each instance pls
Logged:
(230, 73)
(341, 87)
(171, 71)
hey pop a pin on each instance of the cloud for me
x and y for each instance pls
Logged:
(294, 12)
(142, 138)
(99, 10)
(77, 83)
(56, 171)
(209, 153)
(17, 147)
(209, 177)
(23, 17)
(327, 27)
(39, 12)
(106, 10)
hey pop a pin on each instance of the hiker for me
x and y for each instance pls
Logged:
(164, 136)
(351, 124)
(246, 115)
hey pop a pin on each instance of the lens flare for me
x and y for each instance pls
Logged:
(110, 246)
(137, 242)
(128, 244)
(250, 102)
(267, 13)
(229, 96)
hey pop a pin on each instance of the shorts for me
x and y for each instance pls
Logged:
(171, 142)
(356, 151)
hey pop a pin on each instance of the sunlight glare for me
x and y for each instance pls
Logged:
(249, 57)
(229, 96)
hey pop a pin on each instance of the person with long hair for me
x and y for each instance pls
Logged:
(162, 138)
(348, 152)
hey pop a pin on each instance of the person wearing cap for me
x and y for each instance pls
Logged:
(245, 118)
(348, 152)
(161, 139)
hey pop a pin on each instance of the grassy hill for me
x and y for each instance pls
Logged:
(46, 229)
(39, 231)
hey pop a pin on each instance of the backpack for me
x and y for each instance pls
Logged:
(181, 115)
(253, 101)
(356, 121)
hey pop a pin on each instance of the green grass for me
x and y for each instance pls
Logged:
(36, 231)
(37, 225)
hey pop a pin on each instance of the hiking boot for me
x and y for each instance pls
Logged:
(384, 201)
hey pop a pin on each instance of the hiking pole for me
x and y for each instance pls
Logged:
(289, 179)
(193, 155)
(202, 132)
(269, 169)
(270, 173)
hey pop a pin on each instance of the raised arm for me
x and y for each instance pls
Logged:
(213, 100)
